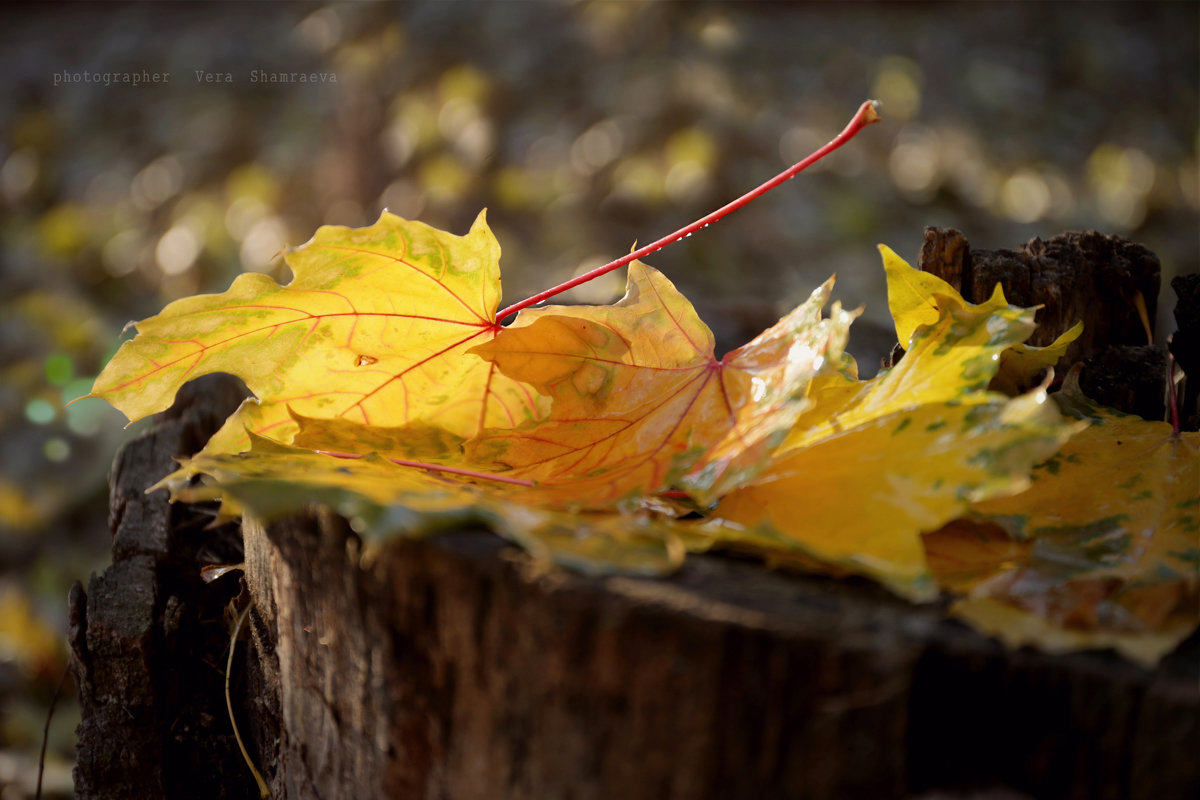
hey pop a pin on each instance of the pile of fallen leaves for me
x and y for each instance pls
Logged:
(612, 437)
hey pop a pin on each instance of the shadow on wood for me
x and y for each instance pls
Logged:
(453, 668)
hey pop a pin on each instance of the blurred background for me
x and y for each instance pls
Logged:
(580, 126)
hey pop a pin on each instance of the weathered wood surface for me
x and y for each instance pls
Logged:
(147, 635)
(455, 668)
(1185, 343)
(452, 668)
(1074, 276)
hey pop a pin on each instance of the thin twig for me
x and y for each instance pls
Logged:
(37, 795)
(263, 789)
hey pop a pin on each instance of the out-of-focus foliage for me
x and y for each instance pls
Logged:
(26, 637)
(581, 127)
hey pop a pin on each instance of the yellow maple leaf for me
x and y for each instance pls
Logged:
(912, 295)
(1111, 526)
(382, 500)
(374, 327)
(1017, 627)
(915, 298)
(861, 499)
(951, 359)
(904, 452)
(1022, 365)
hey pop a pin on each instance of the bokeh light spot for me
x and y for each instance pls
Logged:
(898, 87)
(464, 82)
(475, 140)
(719, 34)
(59, 369)
(639, 179)
(254, 181)
(597, 147)
(56, 449)
(455, 115)
(686, 181)
(242, 215)
(1025, 197)
(914, 162)
(403, 198)
(262, 243)
(40, 411)
(443, 178)
(18, 174)
(86, 416)
(602, 290)
(177, 250)
(122, 252)
(1120, 178)
(320, 30)
(63, 230)
(799, 142)
(159, 181)
(690, 155)
(692, 144)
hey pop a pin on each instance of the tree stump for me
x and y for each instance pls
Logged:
(1185, 345)
(1106, 282)
(147, 636)
(456, 667)
(1088, 276)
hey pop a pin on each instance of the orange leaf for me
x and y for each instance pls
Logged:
(964, 553)
(639, 399)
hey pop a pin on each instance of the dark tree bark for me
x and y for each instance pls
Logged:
(1185, 344)
(1086, 277)
(456, 668)
(453, 668)
(1077, 276)
(147, 635)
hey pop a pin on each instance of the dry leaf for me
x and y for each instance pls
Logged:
(640, 400)
(874, 464)
(374, 328)
(1112, 522)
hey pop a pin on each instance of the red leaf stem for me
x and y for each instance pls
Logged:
(865, 116)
